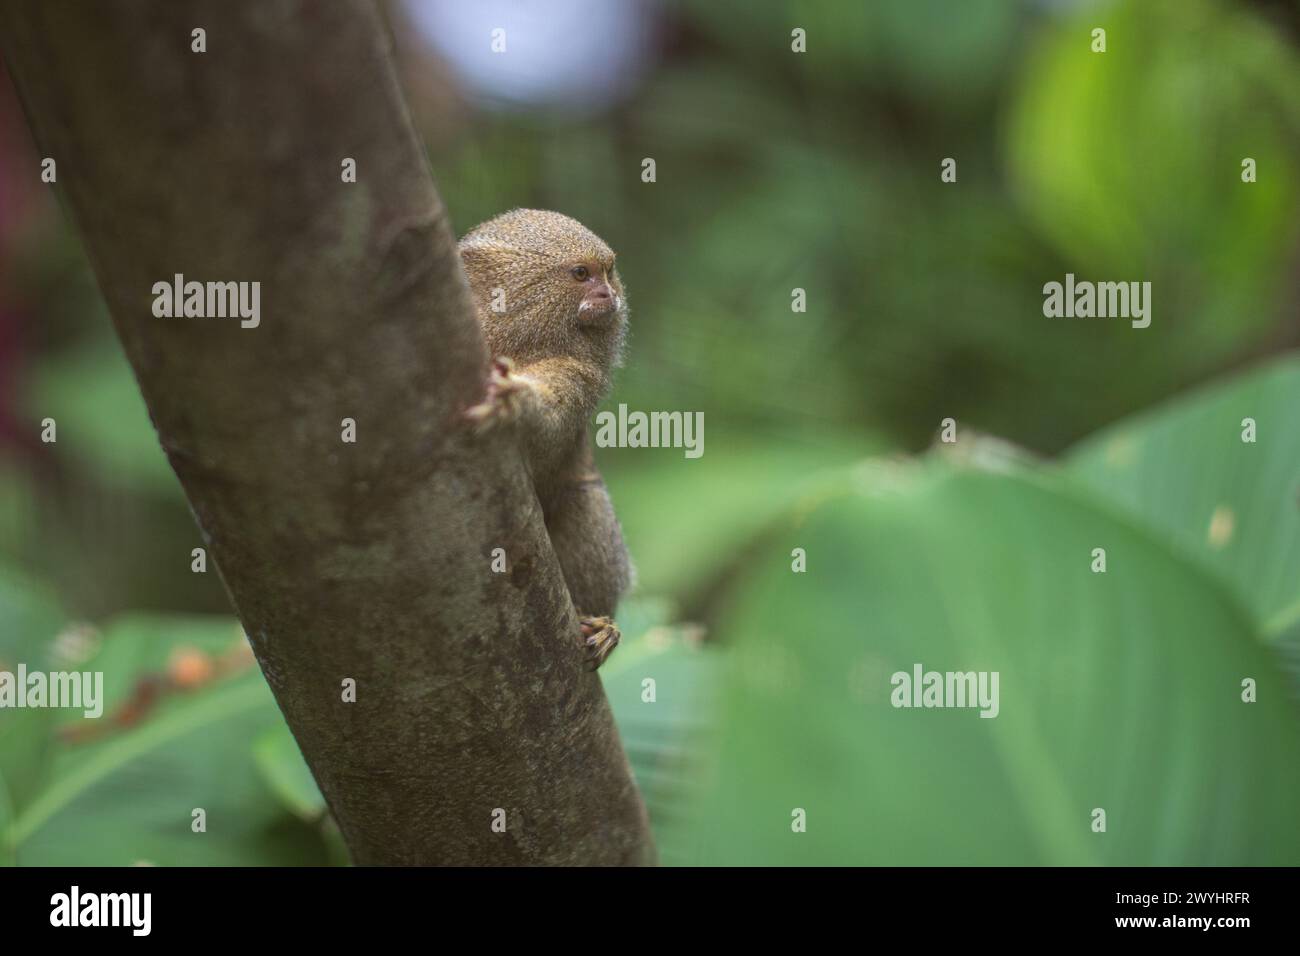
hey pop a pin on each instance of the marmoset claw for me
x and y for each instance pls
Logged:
(505, 397)
(601, 636)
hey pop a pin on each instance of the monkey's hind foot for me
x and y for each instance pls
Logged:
(601, 636)
(506, 393)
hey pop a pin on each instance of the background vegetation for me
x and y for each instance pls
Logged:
(776, 171)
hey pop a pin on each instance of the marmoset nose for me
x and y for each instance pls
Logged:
(599, 302)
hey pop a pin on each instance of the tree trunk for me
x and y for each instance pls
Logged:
(368, 560)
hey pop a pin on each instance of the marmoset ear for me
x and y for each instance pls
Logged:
(480, 249)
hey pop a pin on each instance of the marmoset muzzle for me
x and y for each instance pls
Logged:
(597, 305)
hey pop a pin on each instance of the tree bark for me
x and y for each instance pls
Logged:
(368, 560)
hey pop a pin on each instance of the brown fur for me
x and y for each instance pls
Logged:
(561, 370)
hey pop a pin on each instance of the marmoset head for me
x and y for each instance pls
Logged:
(545, 284)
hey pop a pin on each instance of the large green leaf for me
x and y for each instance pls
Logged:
(1234, 506)
(1118, 690)
(127, 795)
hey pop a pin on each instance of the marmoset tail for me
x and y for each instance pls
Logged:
(553, 311)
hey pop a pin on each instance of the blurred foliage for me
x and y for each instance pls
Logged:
(1234, 506)
(106, 479)
(1144, 180)
(725, 498)
(172, 738)
(104, 427)
(188, 722)
(1118, 691)
(821, 171)
(30, 618)
(19, 527)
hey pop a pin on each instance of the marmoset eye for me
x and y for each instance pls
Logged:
(580, 273)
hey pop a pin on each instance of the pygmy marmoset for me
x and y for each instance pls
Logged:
(552, 309)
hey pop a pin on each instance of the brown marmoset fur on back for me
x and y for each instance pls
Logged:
(553, 311)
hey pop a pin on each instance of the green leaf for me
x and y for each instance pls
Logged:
(30, 619)
(1233, 506)
(128, 794)
(1119, 691)
(286, 772)
(665, 738)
